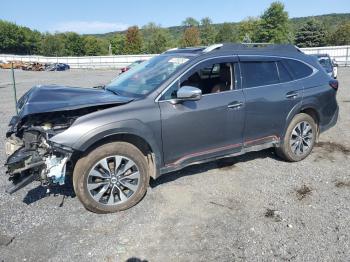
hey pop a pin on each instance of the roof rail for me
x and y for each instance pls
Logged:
(195, 49)
(212, 47)
(260, 46)
(171, 49)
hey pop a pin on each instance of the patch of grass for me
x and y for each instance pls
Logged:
(273, 214)
(342, 184)
(303, 192)
(269, 212)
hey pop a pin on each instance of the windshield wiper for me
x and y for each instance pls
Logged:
(100, 87)
(113, 91)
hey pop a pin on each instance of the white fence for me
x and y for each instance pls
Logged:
(340, 53)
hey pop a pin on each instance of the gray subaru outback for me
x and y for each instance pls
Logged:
(183, 107)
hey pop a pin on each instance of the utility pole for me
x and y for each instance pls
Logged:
(14, 87)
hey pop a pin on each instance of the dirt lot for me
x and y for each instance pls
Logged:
(251, 208)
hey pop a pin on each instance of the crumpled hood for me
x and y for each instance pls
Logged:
(43, 99)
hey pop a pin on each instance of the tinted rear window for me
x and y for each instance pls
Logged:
(298, 69)
(259, 73)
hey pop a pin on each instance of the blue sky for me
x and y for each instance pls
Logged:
(91, 16)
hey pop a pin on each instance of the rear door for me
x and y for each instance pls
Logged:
(270, 94)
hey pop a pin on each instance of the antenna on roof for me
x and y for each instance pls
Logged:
(212, 47)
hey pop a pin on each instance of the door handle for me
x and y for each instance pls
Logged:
(292, 95)
(235, 104)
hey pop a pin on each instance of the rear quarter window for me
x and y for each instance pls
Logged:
(297, 68)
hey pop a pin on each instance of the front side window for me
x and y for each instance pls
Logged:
(210, 78)
(259, 73)
(147, 76)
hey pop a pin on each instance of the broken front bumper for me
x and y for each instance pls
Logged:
(25, 166)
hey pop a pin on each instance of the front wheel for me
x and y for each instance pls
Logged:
(299, 139)
(111, 178)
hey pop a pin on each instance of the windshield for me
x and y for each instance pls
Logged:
(147, 76)
(326, 63)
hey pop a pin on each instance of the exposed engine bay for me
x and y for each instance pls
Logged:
(31, 154)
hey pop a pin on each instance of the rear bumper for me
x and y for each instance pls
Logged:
(331, 123)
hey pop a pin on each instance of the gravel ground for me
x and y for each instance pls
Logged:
(248, 208)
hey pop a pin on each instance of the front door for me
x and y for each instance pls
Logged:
(212, 126)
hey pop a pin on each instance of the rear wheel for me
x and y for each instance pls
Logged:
(299, 139)
(111, 178)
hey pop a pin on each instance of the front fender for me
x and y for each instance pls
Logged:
(74, 137)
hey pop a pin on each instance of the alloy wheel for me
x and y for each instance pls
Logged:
(301, 138)
(113, 180)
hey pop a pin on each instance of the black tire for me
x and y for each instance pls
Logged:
(285, 151)
(86, 163)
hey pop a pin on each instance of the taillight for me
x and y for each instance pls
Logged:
(334, 84)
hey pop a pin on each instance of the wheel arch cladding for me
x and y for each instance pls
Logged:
(309, 109)
(138, 142)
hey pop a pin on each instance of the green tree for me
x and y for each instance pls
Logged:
(341, 36)
(226, 33)
(73, 44)
(31, 41)
(274, 25)
(11, 38)
(51, 45)
(207, 31)
(190, 22)
(190, 37)
(118, 43)
(133, 41)
(94, 46)
(248, 30)
(311, 34)
(156, 39)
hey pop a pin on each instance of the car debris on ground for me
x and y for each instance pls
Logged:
(34, 66)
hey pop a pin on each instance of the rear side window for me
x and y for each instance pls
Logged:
(283, 73)
(259, 73)
(297, 68)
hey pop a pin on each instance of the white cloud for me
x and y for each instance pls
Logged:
(88, 27)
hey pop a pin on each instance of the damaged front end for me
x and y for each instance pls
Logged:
(31, 155)
(45, 111)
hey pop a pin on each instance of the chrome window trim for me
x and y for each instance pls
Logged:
(314, 71)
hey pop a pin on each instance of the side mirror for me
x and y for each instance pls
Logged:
(187, 93)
